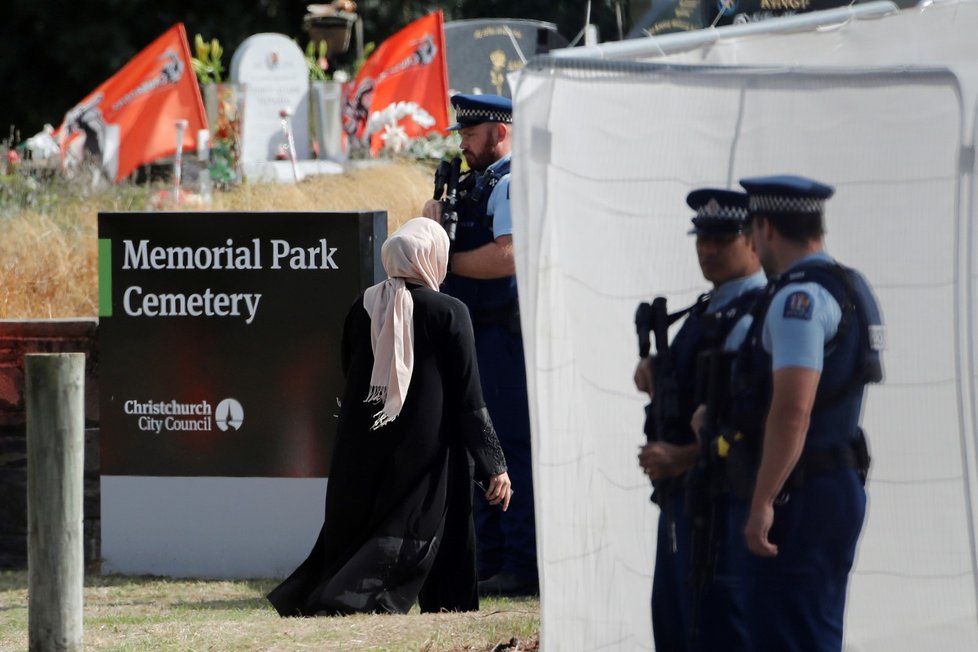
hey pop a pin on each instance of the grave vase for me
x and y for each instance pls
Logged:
(224, 104)
(327, 110)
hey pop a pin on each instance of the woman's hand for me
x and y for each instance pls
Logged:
(500, 490)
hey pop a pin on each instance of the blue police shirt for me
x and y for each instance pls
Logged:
(502, 218)
(801, 318)
(727, 293)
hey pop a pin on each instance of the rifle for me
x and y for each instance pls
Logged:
(447, 176)
(662, 419)
(705, 481)
(662, 414)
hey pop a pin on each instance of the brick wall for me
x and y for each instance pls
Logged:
(18, 338)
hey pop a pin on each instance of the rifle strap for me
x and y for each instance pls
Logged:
(701, 302)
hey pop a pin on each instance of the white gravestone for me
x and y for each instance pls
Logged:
(273, 71)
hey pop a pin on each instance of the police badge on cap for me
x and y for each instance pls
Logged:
(471, 110)
(718, 211)
(786, 194)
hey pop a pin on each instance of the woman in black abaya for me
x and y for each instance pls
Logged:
(398, 525)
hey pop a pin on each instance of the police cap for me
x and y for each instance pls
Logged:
(471, 110)
(786, 194)
(718, 211)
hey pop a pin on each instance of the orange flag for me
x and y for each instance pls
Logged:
(130, 119)
(401, 91)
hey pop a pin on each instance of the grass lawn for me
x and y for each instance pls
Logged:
(149, 613)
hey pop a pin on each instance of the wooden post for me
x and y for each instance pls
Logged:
(55, 488)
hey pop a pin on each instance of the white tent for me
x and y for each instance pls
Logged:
(606, 149)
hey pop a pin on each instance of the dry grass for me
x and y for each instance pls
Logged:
(399, 188)
(49, 259)
(45, 271)
(156, 614)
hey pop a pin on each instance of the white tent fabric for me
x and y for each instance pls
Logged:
(604, 155)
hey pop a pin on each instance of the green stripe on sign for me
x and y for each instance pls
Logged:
(104, 277)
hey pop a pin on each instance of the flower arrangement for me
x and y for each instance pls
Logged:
(226, 140)
(434, 147)
(387, 121)
(224, 114)
(207, 64)
(316, 61)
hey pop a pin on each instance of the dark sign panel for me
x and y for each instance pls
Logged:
(687, 15)
(482, 52)
(219, 338)
(752, 11)
(677, 16)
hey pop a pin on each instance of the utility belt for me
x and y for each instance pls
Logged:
(742, 464)
(508, 316)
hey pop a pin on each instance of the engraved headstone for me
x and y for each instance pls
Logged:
(273, 71)
(480, 53)
(672, 16)
(753, 11)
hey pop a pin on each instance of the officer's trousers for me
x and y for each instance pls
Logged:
(797, 599)
(506, 541)
(670, 581)
(713, 619)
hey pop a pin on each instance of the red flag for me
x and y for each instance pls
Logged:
(130, 119)
(401, 91)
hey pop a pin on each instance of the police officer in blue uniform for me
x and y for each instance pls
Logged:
(800, 380)
(711, 618)
(482, 274)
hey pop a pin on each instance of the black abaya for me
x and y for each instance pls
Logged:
(398, 524)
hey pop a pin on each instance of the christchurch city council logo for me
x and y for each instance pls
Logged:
(229, 415)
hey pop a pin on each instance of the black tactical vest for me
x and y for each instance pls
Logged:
(487, 299)
(852, 359)
(703, 330)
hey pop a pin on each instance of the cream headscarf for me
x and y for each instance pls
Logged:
(416, 252)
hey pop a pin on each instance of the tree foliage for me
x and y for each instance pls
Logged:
(54, 52)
